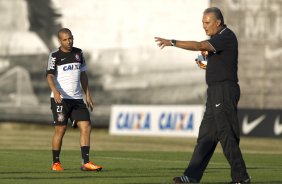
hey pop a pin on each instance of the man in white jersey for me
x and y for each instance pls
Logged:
(66, 75)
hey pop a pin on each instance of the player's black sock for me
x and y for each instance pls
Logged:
(56, 155)
(85, 153)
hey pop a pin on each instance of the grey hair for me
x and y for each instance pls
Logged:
(217, 13)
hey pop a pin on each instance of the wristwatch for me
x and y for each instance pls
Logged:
(173, 42)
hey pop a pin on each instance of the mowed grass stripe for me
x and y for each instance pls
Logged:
(25, 157)
(33, 166)
(38, 137)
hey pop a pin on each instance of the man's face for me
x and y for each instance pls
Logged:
(66, 41)
(210, 24)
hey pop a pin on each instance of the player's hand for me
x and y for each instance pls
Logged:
(89, 103)
(57, 97)
(162, 42)
(201, 65)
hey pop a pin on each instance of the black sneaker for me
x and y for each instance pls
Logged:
(183, 179)
(248, 180)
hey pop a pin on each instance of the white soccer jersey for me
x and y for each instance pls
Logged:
(66, 67)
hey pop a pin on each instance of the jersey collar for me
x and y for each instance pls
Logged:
(224, 27)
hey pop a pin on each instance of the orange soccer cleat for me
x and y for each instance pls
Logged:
(57, 167)
(91, 167)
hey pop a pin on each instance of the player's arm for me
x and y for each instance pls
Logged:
(195, 46)
(51, 83)
(84, 85)
(188, 45)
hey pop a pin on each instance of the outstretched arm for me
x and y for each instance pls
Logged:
(188, 45)
(84, 85)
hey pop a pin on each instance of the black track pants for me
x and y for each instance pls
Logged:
(220, 123)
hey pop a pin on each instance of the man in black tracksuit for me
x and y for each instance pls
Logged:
(220, 121)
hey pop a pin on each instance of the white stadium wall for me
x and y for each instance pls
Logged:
(257, 24)
(125, 66)
(117, 37)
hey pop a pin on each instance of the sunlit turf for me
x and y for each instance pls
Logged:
(135, 167)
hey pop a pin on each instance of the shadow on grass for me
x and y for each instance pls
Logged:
(216, 169)
(265, 182)
(69, 177)
(65, 175)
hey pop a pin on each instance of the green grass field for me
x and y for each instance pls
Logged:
(25, 158)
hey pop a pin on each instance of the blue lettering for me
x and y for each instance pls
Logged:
(190, 122)
(147, 123)
(162, 121)
(119, 121)
(71, 67)
(176, 121)
(126, 121)
(133, 121)
(170, 123)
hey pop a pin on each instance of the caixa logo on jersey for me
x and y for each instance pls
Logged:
(71, 67)
(176, 121)
(133, 120)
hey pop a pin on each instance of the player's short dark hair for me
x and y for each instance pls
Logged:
(64, 30)
(217, 13)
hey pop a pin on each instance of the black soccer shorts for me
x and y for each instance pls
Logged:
(73, 109)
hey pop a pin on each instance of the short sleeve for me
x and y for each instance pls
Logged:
(51, 65)
(218, 42)
(83, 63)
